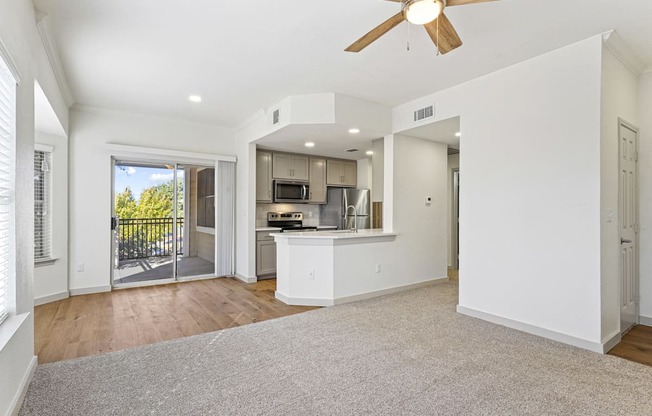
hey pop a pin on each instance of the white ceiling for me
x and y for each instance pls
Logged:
(331, 140)
(442, 131)
(149, 55)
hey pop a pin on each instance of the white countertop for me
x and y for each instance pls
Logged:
(261, 229)
(327, 227)
(335, 234)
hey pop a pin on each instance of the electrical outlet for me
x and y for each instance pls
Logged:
(311, 274)
(378, 268)
(80, 267)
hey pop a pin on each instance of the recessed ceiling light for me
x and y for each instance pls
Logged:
(195, 98)
(354, 131)
(458, 134)
(370, 152)
(310, 144)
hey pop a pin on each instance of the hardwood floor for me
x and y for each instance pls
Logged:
(93, 324)
(636, 345)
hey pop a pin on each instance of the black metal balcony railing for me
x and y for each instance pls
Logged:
(140, 238)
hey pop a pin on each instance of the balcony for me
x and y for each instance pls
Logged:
(140, 238)
(145, 251)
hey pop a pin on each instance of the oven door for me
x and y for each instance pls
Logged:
(292, 192)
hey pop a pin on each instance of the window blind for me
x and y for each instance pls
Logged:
(42, 206)
(225, 227)
(7, 180)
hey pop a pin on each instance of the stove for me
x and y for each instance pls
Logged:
(288, 222)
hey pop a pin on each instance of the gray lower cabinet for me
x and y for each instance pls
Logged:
(265, 254)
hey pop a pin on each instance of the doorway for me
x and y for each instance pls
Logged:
(628, 225)
(456, 219)
(163, 222)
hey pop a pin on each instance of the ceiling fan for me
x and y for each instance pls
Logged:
(430, 14)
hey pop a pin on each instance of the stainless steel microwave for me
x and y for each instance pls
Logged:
(291, 192)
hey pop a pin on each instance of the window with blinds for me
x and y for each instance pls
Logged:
(7, 181)
(42, 206)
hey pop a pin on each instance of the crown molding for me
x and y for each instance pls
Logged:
(11, 64)
(616, 45)
(52, 52)
(97, 110)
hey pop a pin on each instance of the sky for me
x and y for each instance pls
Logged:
(139, 178)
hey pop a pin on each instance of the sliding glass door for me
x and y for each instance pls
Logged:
(171, 221)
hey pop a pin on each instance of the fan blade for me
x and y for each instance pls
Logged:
(448, 37)
(376, 32)
(463, 2)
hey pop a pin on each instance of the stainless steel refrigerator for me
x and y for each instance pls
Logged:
(334, 212)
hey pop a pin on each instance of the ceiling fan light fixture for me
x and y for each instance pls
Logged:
(420, 12)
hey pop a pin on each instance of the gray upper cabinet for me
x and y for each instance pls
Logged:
(317, 181)
(263, 176)
(293, 167)
(341, 173)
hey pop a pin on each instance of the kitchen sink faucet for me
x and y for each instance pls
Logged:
(354, 228)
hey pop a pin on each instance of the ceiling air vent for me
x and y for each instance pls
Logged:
(352, 150)
(424, 113)
(275, 116)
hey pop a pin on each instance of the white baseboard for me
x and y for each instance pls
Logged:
(303, 301)
(611, 342)
(246, 279)
(645, 320)
(354, 298)
(534, 330)
(51, 298)
(24, 386)
(389, 291)
(90, 290)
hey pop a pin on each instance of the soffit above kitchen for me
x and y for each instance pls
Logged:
(149, 56)
(336, 125)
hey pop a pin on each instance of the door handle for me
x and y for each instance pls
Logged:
(624, 241)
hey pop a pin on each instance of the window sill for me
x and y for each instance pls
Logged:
(9, 327)
(44, 262)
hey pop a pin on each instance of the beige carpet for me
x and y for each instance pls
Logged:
(404, 354)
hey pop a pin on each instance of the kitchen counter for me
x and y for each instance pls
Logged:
(376, 234)
(324, 268)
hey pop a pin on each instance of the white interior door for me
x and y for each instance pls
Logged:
(628, 221)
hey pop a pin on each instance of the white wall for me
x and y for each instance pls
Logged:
(364, 170)
(418, 170)
(90, 178)
(619, 100)
(453, 164)
(378, 170)
(530, 200)
(19, 35)
(51, 280)
(645, 197)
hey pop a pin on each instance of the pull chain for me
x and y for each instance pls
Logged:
(408, 36)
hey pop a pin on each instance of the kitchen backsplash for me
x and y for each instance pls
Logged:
(310, 212)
